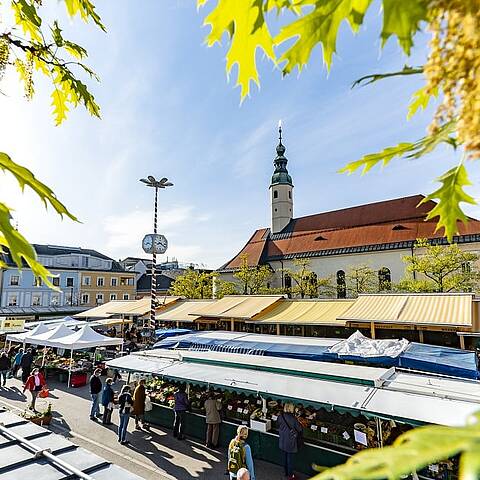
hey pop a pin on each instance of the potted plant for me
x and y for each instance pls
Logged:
(40, 418)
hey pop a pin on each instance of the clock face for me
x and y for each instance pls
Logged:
(160, 244)
(147, 244)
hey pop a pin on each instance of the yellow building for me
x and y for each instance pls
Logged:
(98, 287)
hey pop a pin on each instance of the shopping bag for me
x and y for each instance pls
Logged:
(148, 404)
(44, 392)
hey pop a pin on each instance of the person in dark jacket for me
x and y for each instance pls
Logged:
(16, 362)
(26, 364)
(289, 433)
(139, 396)
(5, 366)
(107, 401)
(125, 401)
(95, 389)
(181, 406)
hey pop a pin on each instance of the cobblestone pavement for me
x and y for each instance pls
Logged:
(152, 455)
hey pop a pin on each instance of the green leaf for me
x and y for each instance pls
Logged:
(57, 34)
(402, 18)
(74, 49)
(357, 14)
(85, 9)
(245, 24)
(406, 150)
(449, 197)
(59, 103)
(19, 247)
(420, 99)
(27, 18)
(319, 26)
(26, 178)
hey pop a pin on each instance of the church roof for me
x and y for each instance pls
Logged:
(390, 224)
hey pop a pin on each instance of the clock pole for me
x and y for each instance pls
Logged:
(150, 181)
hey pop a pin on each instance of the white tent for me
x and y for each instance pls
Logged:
(51, 337)
(26, 336)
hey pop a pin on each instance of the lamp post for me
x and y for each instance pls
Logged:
(154, 243)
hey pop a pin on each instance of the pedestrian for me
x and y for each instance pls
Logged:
(16, 362)
(289, 437)
(34, 384)
(95, 389)
(240, 455)
(5, 366)
(125, 401)
(212, 419)
(243, 474)
(139, 396)
(116, 375)
(26, 364)
(108, 396)
(181, 406)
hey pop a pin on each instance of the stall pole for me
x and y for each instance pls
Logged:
(123, 323)
(232, 325)
(372, 329)
(43, 358)
(420, 336)
(462, 342)
(278, 329)
(70, 368)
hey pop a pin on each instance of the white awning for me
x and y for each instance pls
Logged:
(86, 337)
(26, 336)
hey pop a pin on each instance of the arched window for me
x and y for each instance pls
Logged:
(287, 279)
(341, 285)
(290, 194)
(275, 194)
(313, 285)
(466, 267)
(384, 279)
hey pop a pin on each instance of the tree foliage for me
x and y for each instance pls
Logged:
(439, 268)
(305, 281)
(253, 279)
(361, 279)
(451, 72)
(32, 47)
(193, 284)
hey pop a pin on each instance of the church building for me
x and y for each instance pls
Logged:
(377, 234)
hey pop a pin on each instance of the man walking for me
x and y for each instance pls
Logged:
(16, 362)
(212, 419)
(181, 407)
(95, 389)
(4, 368)
(26, 364)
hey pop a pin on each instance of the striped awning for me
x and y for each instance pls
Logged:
(443, 309)
(182, 311)
(305, 312)
(238, 306)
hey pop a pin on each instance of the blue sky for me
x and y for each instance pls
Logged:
(168, 110)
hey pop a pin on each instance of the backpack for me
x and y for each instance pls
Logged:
(236, 456)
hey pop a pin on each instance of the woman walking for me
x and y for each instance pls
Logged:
(107, 401)
(139, 396)
(34, 384)
(125, 401)
(16, 362)
(289, 437)
(240, 455)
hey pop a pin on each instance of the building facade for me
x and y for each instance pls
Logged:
(83, 277)
(378, 235)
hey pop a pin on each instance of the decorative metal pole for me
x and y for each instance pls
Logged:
(154, 243)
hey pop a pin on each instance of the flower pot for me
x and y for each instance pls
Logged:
(43, 420)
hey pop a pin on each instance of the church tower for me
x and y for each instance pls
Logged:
(281, 189)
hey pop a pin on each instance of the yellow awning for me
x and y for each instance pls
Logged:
(180, 311)
(305, 312)
(125, 307)
(447, 309)
(238, 306)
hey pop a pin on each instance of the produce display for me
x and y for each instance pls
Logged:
(79, 363)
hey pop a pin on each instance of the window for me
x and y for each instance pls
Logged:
(466, 268)
(123, 280)
(126, 296)
(68, 298)
(69, 281)
(275, 194)
(55, 300)
(341, 285)
(100, 282)
(36, 300)
(287, 281)
(384, 279)
(56, 281)
(290, 195)
(114, 281)
(99, 298)
(12, 300)
(14, 280)
(85, 299)
(87, 281)
(313, 285)
(113, 296)
(37, 282)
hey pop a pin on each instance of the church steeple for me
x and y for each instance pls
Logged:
(280, 174)
(281, 189)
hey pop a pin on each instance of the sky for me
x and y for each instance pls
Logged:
(168, 109)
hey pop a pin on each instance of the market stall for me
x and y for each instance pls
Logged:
(343, 408)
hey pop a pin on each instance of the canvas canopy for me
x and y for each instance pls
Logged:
(50, 337)
(86, 337)
(25, 337)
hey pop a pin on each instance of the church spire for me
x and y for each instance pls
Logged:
(280, 174)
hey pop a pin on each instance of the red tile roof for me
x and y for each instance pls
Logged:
(387, 222)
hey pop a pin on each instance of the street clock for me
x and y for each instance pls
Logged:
(154, 243)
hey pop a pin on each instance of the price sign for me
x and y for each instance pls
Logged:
(274, 418)
(345, 435)
(324, 429)
(229, 407)
(314, 427)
